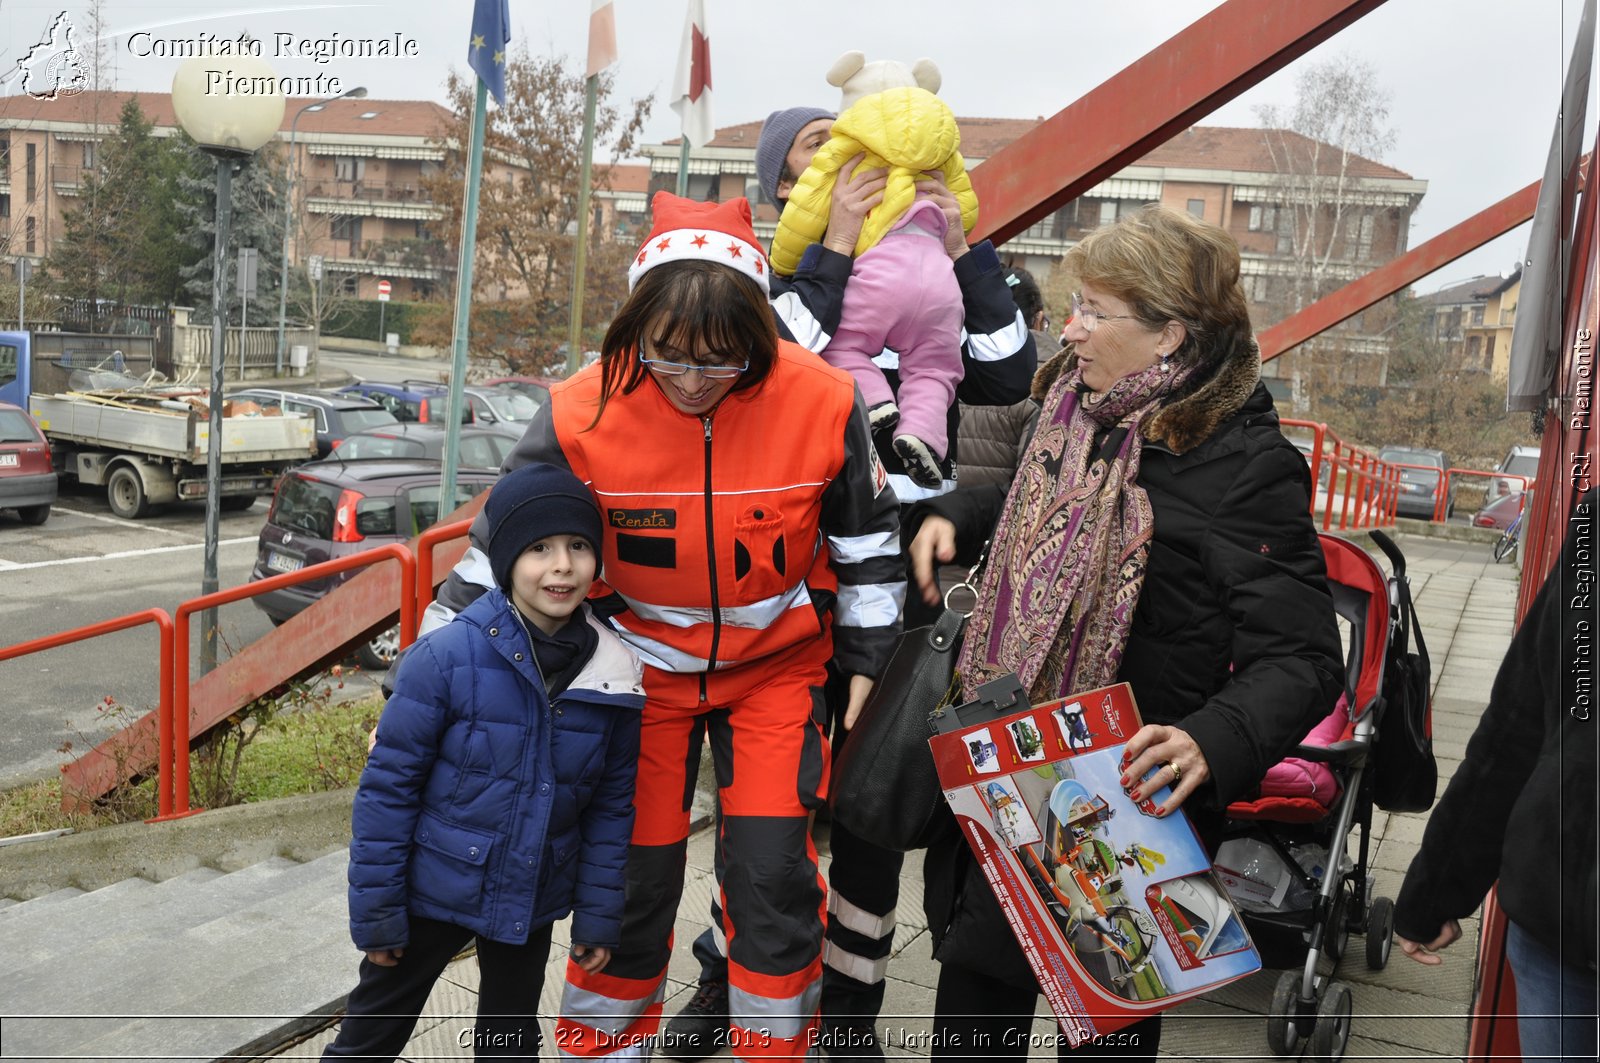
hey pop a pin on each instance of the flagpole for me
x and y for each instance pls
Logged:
(458, 362)
(683, 167)
(581, 251)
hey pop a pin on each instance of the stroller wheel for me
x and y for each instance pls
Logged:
(1380, 933)
(1332, 1032)
(1283, 1033)
(1336, 936)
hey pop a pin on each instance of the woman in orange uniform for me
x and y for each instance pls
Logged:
(750, 538)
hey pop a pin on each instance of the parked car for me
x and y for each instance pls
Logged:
(27, 475)
(493, 405)
(328, 509)
(482, 446)
(1420, 488)
(536, 388)
(335, 415)
(1499, 514)
(410, 400)
(1521, 461)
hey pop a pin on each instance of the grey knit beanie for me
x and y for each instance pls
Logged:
(777, 137)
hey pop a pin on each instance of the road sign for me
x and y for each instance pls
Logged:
(383, 291)
(314, 266)
(249, 264)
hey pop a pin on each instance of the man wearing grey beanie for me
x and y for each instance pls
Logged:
(999, 357)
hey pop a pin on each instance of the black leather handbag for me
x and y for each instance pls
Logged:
(1405, 776)
(885, 789)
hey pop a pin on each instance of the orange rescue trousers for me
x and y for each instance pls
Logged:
(770, 753)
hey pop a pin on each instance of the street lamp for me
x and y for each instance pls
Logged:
(357, 93)
(230, 128)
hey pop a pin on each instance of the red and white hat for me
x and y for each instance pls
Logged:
(687, 229)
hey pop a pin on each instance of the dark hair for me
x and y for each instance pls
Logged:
(683, 304)
(1025, 292)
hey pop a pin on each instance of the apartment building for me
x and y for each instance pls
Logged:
(1235, 178)
(360, 171)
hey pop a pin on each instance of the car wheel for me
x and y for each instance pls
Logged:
(125, 493)
(34, 514)
(378, 654)
(236, 503)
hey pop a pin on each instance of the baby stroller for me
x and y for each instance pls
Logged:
(1308, 804)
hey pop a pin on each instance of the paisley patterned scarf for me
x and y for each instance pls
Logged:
(1068, 557)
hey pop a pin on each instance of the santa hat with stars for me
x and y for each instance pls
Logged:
(689, 230)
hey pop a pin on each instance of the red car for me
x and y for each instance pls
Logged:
(1499, 514)
(27, 476)
(536, 388)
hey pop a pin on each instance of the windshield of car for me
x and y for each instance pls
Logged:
(16, 428)
(381, 447)
(1404, 456)
(305, 505)
(510, 406)
(1523, 465)
(424, 503)
(363, 417)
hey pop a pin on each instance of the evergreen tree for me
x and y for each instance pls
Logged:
(121, 243)
(259, 186)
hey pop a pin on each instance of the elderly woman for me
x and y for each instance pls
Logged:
(1157, 532)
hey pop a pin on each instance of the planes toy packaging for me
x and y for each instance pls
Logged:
(1117, 911)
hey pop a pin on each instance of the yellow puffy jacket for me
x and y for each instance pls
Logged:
(907, 130)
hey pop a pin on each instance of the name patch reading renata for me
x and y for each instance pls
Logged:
(643, 518)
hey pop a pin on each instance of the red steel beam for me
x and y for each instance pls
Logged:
(1410, 267)
(306, 643)
(1119, 122)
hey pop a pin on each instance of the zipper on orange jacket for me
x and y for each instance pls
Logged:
(711, 564)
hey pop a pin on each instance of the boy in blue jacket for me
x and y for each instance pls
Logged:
(499, 795)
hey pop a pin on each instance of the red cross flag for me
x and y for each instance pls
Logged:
(691, 87)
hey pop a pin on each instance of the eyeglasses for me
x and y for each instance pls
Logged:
(710, 372)
(1089, 318)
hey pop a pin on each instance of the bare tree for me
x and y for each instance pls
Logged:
(1321, 151)
(528, 209)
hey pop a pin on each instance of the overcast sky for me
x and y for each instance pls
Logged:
(1474, 84)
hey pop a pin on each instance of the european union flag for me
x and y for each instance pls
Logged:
(491, 32)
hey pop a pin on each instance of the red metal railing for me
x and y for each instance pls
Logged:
(435, 535)
(164, 625)
(1441, 504)
(179, 747)
(1368, 486)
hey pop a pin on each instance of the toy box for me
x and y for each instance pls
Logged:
(1118, 912)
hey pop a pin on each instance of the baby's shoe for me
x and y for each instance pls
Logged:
(883, 416)
(919, 461)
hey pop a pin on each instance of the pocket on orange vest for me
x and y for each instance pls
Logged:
(760, 554)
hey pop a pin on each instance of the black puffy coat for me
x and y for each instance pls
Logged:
(1521, 807)
(1233, 639)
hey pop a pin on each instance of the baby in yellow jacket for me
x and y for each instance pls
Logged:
(902, 305)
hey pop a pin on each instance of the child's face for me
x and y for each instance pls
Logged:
(551, 578)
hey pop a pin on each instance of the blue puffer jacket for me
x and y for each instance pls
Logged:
(486, 806)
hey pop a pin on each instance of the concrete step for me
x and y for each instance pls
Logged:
(122, 915)
(20, 910)
(217, 965)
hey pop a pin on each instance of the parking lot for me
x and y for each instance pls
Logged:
(86, 565)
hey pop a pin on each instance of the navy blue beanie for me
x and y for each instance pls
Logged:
(777, 137)
(532, 503)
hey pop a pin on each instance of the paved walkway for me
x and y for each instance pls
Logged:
(1466, 604)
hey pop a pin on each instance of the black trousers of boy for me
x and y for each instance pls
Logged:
(384, 1007)
(978, 1018)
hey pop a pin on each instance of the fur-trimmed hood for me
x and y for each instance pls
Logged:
(1189, 420)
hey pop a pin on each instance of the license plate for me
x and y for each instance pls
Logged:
(9, 459)
(283, 562)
